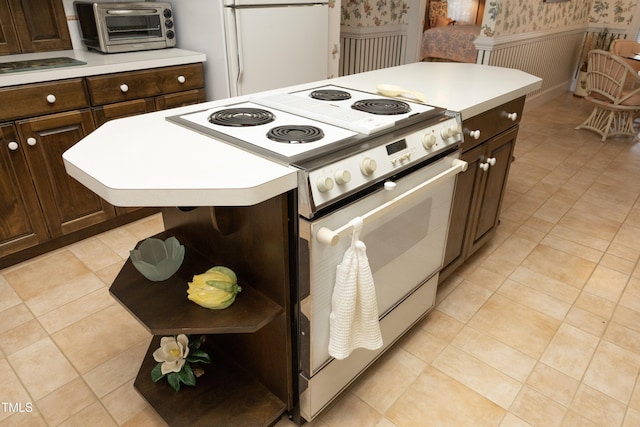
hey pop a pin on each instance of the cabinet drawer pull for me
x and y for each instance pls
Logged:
(51, 98)
(13, 146)
(124, 88)
(182, 79)
(512, 116)
(475, 134)
(31, 141)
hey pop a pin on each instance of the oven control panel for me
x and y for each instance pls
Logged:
(334, 180)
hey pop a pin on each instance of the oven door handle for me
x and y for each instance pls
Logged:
(331, 237)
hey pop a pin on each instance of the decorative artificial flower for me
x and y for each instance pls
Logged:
(172, 353)
(174, 357)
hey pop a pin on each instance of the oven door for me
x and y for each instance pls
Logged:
(405, 231)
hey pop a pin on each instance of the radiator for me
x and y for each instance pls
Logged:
(371, 48)
(551, 56)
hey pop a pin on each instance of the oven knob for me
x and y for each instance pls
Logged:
(428, 140)
(324, 184)
(445, 133)
(368, 166)
(342, 177)
(456, 130)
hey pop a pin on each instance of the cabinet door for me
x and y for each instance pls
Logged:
(68, 206)
(21, 222)
(498, 156)
(41, 25)
(8, 37)
(467, 185)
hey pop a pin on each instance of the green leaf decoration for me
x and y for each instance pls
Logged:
(174, 380)
(195, 344)
(198, 356)
(156, 373)
(186, 375)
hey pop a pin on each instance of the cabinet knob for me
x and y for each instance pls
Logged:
(51, 98)
(484, 166)
(512, 116)
(491, 161)
(475, 134)
(31, 141)
(13, 146)
(182, 79)
(124, 88)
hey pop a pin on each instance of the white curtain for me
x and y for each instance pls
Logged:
(463, 11)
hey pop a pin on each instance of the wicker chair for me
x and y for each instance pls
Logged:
(610, 83)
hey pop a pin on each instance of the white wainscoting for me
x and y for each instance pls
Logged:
(551, 55)
(371, 48)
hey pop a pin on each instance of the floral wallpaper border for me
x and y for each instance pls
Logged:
(501, 17)
(373, 13)
(505, 17)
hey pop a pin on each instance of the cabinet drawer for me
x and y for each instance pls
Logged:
(105, 113)
(42, 98)
(492, 122)
(111, 88)
(180, 99)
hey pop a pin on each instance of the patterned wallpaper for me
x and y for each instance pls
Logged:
(373, 13)
(505, 17)
(501, 17)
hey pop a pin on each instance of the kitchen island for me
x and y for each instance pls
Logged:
(232, 207)
(145, 160)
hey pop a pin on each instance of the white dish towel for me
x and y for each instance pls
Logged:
(353, 321)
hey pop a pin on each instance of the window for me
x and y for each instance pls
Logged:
(464, 11)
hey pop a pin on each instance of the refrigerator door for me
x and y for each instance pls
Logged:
(276, 46)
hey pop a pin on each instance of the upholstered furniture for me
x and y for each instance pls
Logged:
(444, 39)
(612, 86)
(627, 49)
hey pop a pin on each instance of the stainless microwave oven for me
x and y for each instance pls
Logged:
(112, 27)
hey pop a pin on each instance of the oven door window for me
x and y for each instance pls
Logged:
(405, 247)
(133, 26)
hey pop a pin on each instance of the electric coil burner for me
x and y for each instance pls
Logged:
(295, 134)
(330, 95)
(382, 107)
(241, 117)
(363, 112)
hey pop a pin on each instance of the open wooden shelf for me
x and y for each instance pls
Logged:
(163, 307)
(226, 395)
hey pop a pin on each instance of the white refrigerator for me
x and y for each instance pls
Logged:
(255, 45)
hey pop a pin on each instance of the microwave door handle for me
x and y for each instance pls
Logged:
(331, 237)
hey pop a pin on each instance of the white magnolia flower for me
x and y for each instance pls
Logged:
(172, 353)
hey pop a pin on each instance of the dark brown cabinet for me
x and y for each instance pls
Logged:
(480, 189)
(21, 221)
(42, 206)
(69, 205)
(135, 92)
(33, 26)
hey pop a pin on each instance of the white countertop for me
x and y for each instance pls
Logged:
(470, 89)
(97, 63)
(147, 161)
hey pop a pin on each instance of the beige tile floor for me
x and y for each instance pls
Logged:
(541, 327)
